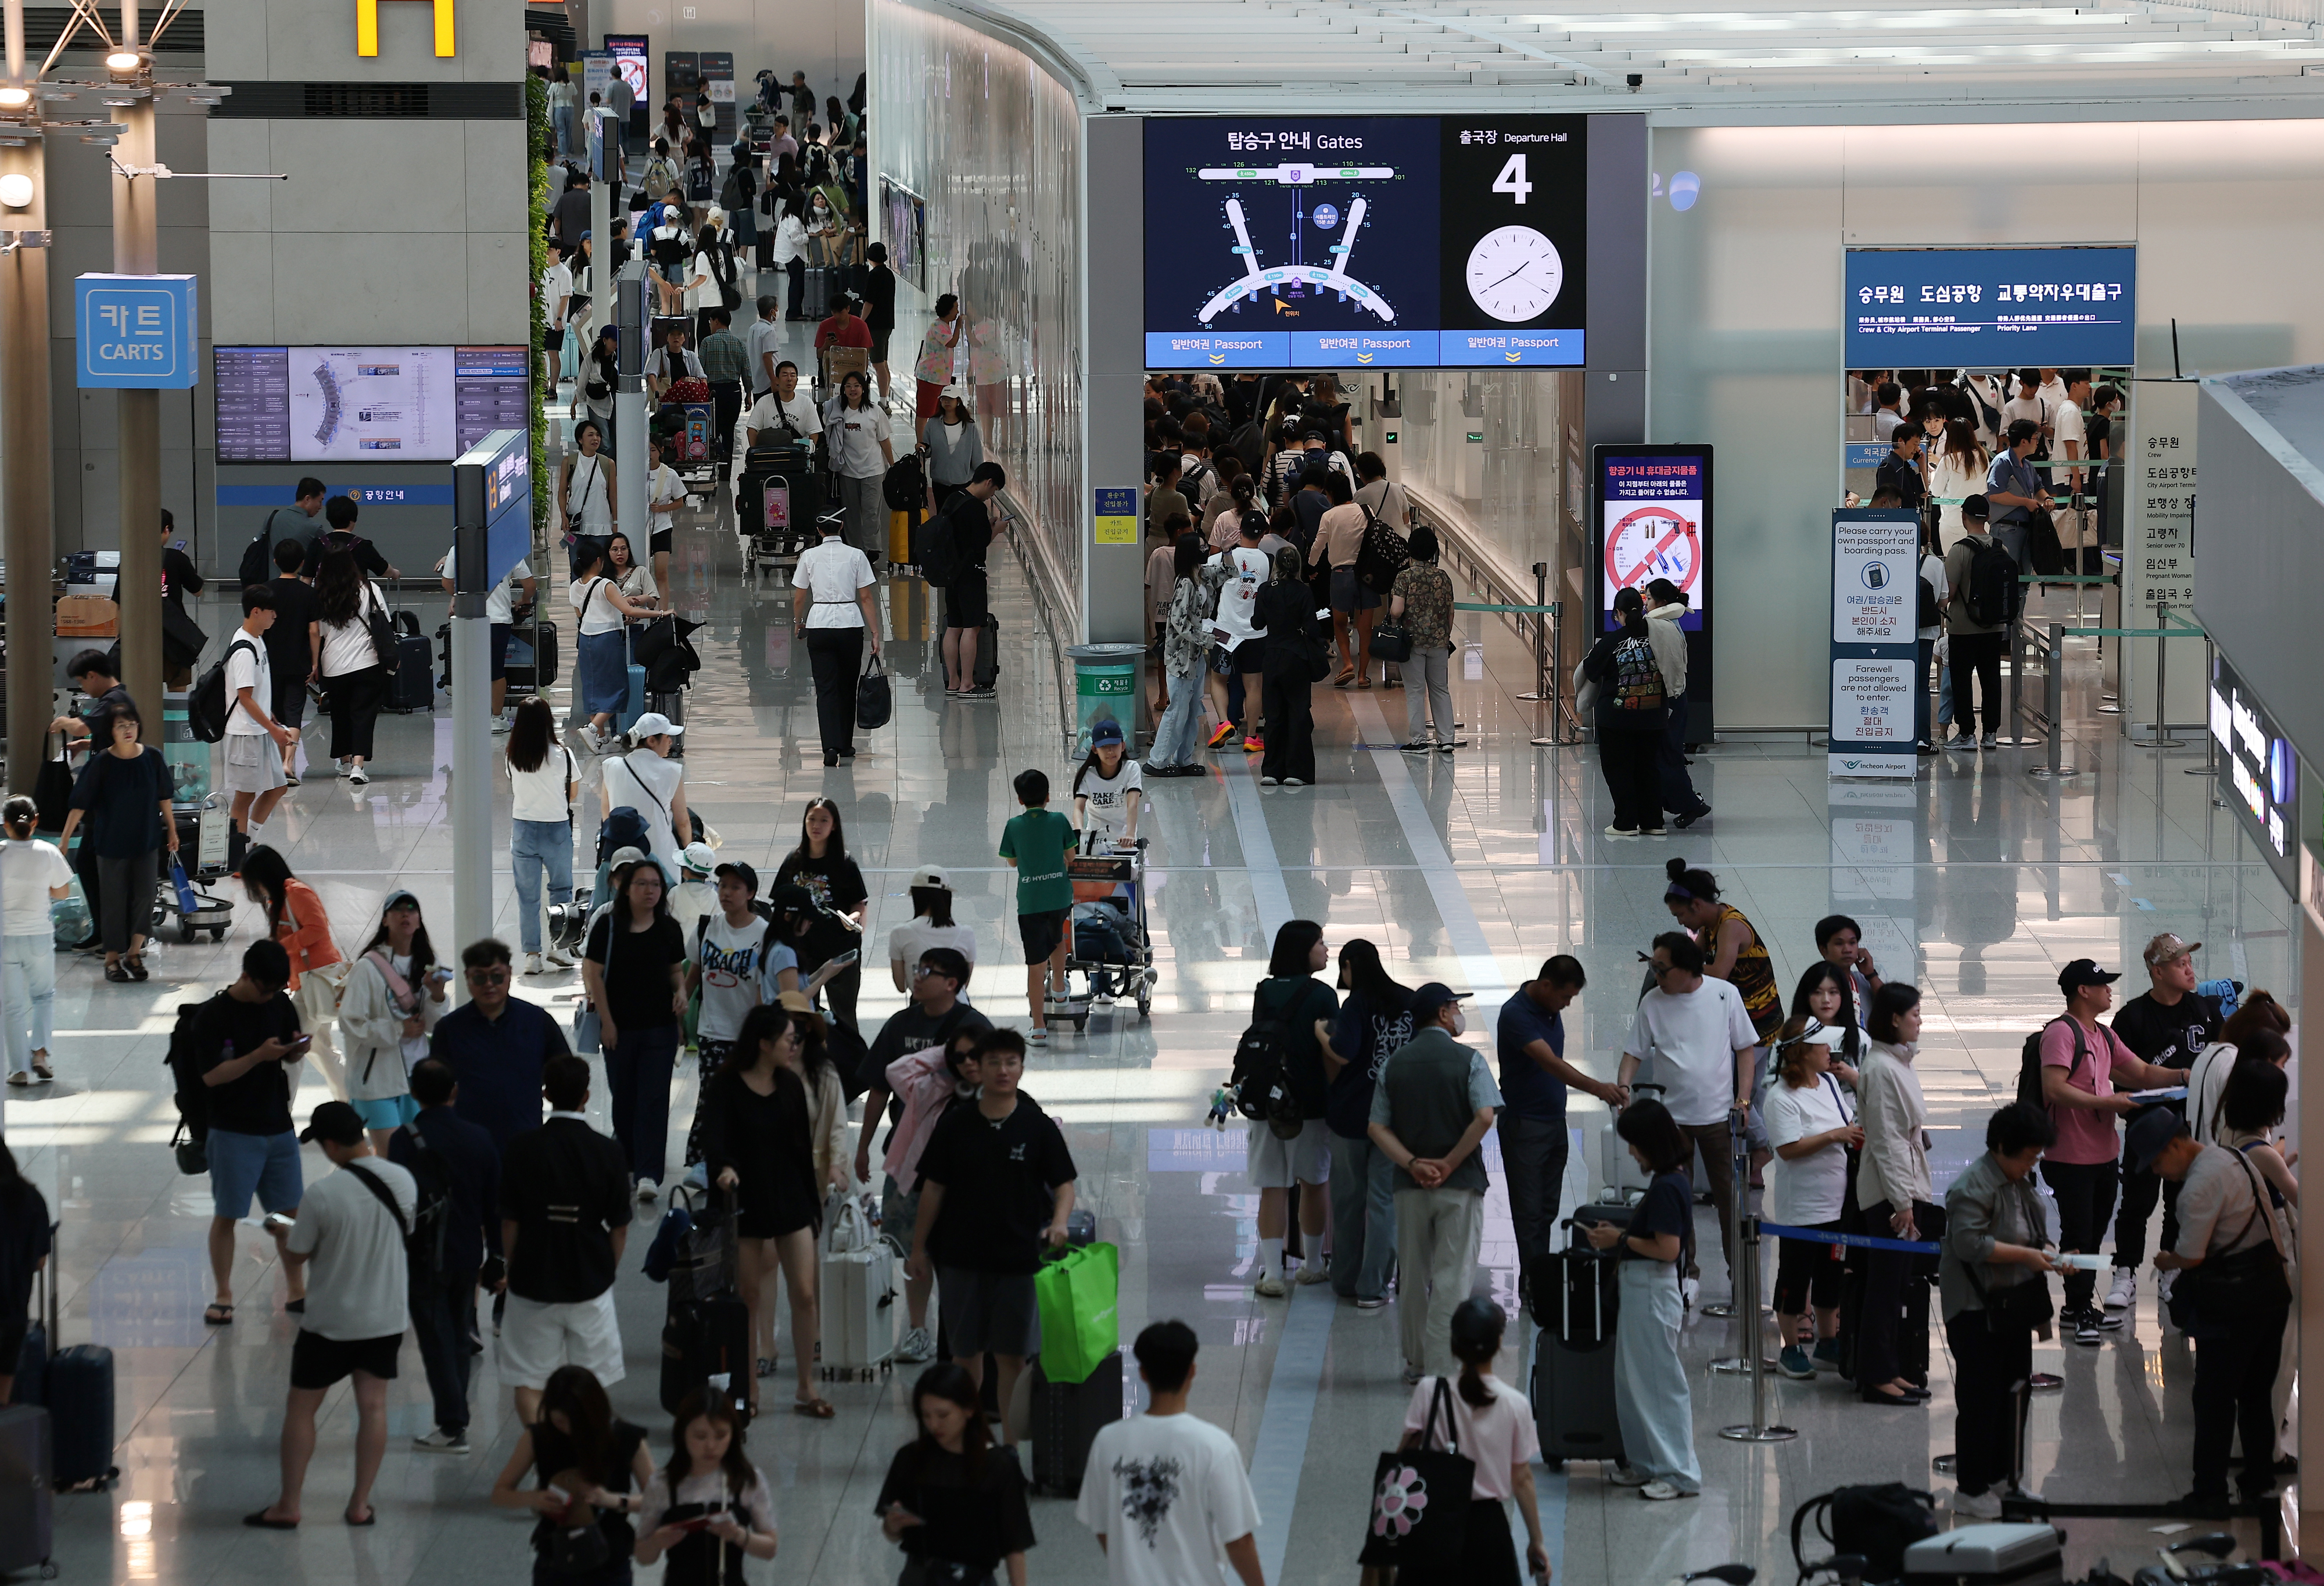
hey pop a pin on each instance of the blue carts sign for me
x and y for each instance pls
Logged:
(134, 332)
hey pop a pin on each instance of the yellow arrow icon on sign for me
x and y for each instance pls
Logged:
(1218, 357)
(1363, 357)
(1514, 357)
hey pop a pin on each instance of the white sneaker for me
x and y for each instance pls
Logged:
(917, 1347)
(1269, 1287)
(1977, 1506)
(2124, 1292)
(1661, 1492)
(1627, 1476)
(499, 725)
(442, 1442)
(533, 964)
(1312, 1271)
(557, 960)
(648, 1189)
(358, 777)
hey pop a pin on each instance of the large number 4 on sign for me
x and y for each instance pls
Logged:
(1512, 179)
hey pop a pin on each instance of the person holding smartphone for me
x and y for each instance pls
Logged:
(710, 1508)
(248, 1035)
(394, 995)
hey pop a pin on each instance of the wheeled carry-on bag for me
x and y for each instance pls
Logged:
(2020, 1555)
(987, 653)
(27, 1500)
(861, 1299)
(1576, 1304)
(1066, 1417)
(412, 686)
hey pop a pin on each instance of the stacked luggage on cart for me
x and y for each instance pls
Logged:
(778, 504)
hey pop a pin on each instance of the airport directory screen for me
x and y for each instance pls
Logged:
(1395, 242)
(422, 404)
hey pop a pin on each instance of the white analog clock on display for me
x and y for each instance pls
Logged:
(1515, 273)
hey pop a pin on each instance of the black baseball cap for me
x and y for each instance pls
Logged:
(2084, 971)
(743, 872)
(2149, 1134)
(335, 1121)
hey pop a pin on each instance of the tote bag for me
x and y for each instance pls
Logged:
(1420, 1500)
(1078, 1292)
(588, 1029)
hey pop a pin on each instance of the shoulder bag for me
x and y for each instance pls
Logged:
(400, 997)
(2242, 1283)
(384, 638)
(589, 1026)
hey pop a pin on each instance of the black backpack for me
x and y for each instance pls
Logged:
(1262, 1077)
(906, 486)
(2029, 1061)
(207, 707)
(1931, 614)
(939, 556)
(1990, 590)
(185, 1065)
(423, 1240)
(1382, 555)
(258, 555)
(1878, 1524)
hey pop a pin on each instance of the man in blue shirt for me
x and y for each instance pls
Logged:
(496, 1046)
(2012, 491)
(1535, 1074)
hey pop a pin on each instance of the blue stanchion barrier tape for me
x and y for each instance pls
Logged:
(1862, 1241)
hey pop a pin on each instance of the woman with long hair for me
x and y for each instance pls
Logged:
(708, 278)
(2257, 1014)
(1185, 654)
(1222, 525)
(33, 874)
(756, 1144)
(1492, 1424)
(953, 446)
(1306, 1007)
(981, 1522)
(634, 967)
(543, 781)
(24, 1248)
(632, 578)
(601, 647)
(821, 865)
(586, 485)
(589, 1467)
(295, 917)
(119, 792)
(1374, 1019)
(787, 251)
(593, 393)
(1282, 612)
(353, 674)
(1107, 788)
(1811, 1128)
(1827, 993)
(710, 1482)
(1893, 1187)
(1631, 711)
(1956, 469)
(1651, 1402)
(932, 371)
(394, 995)
(932, 925)
(855, 430)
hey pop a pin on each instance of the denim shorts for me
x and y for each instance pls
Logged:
(243, 1165)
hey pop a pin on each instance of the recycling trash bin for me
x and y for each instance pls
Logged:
(1108, 681)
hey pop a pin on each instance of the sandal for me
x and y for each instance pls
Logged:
(814, 1409)
(116, 974)
(217, 1315)
(43, 1071)
(264, 1523)
(371, 1517)
(135, 965)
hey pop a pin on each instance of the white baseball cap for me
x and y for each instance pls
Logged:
(699, 856)
(929, 875)
(654, 724)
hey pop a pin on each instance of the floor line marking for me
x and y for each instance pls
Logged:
(1268, 890)
(1281, 1453)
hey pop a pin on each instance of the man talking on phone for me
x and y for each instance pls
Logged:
(965, 529)
(242, 1044)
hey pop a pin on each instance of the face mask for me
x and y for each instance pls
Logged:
(1459, 1020)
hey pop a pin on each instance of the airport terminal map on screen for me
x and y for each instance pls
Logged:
(1305, 240)
(413, 404)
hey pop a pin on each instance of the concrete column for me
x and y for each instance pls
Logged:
(1113, 396)
(2309, 1483)
(140, 590)
(27, 495)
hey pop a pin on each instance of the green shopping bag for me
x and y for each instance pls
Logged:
(1078, 1292)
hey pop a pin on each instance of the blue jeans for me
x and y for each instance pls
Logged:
(1650, 1397)
(1363, 1218)
(28, 990)
(639, 1071)
(539, 849)
(567, 142)
(1175, 733)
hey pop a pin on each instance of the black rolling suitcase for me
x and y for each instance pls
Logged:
(987, 653)
(1066, 1416)
(703, 1339)
(27, 1504)
(78, 1395)
(411, 684)
(1575, 1303)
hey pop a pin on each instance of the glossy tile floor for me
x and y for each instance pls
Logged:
(1976, 880)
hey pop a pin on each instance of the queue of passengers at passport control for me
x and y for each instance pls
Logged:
(1817, 1102)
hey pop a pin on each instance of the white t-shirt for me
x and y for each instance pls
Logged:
(2023, 407)
(702, 286)
(500, 606)
(556, 286)
(665, 490)
(855, 441)
(767, 415)
(766, 336)
(538, 795)
(27, 870)
(248, 665)
(2067, 426)
(648, 784)
(1168, 1493)
(1689, 1043)
(728, 956)
(344, 650)
(598, 614)
(1238, 594)
(355, 1281)
(906, 943)
(1109, 796)
(1499, 1436)
(1933, 574)
(1814, 1188)
(832, 571)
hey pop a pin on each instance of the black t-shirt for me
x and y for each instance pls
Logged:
(637, 973)
(969, 522)
(879, 299)
(836, 884)
(259, 1102)
(1000, 1178)
(567, 1187)
(1298, 1003)
(2172, 1036)
(1365, 1034)
(975, 1517)
(23, 1240)
(1668, 1208)
(553, 1454)
(179, 578)
(288, 651)
(99, 717)
(911, 1030)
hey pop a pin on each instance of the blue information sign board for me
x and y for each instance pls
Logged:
(492, 483)
(134, 332)
(1991, 308)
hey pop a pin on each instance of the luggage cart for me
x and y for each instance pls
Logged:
(204, 859)
(1114, 881)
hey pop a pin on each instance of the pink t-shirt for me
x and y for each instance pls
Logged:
(1498, 1437)
(2085, 1136)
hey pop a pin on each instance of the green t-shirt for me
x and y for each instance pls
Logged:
(1038, 840)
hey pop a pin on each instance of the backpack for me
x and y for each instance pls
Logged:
(184, 1062)
(1990, 590)
(1930, 613)
(623, 828)
(258, 555)
(939, 556)
(209, 705)
(423, 1240)
(1637, 677)
(1261, 1080)
(1381, 557)
(2029, 1061)
(1875, 1523)
(905, 487)
(730, 196)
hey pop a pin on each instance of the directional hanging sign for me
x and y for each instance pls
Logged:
(134, 332)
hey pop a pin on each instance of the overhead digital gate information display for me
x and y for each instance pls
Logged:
(1287, 242)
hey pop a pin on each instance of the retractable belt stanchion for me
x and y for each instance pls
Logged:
(1746, 1254)
(1743, 1307)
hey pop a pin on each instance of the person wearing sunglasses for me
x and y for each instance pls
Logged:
(495, 1045)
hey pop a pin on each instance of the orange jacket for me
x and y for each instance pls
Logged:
(305, 932)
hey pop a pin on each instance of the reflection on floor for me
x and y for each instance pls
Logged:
(1976, 882)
